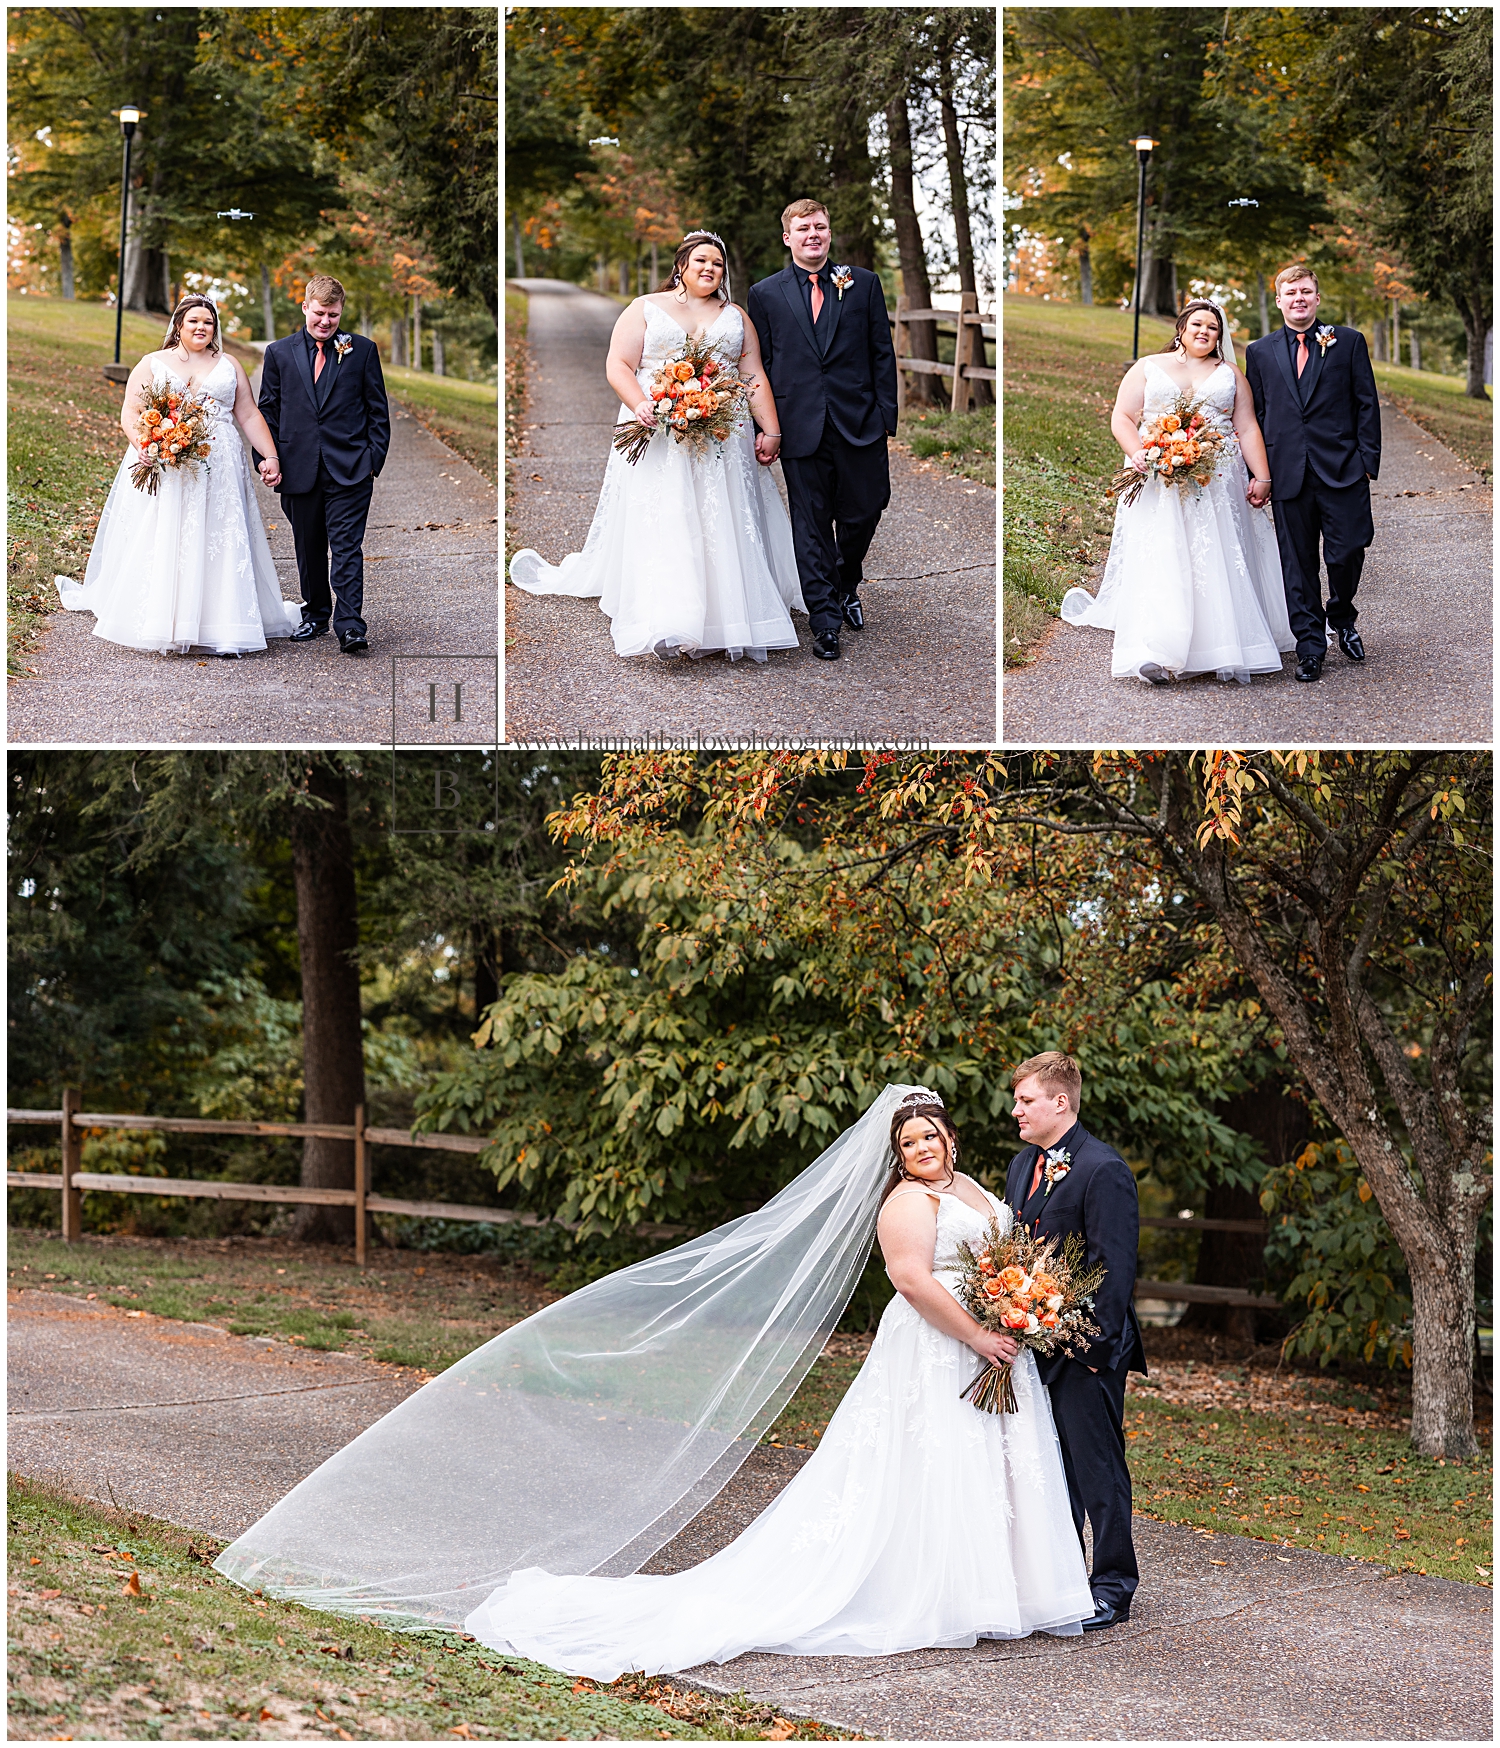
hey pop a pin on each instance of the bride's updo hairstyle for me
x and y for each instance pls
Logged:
(196, 301)
(1191, 309)
(684, 255)
(925, 1103)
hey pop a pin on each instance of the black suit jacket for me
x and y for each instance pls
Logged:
(351, 431)
(850, 380)
(1096, 1199)
(1334, 429)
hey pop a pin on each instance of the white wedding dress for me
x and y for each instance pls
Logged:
(690, 550)
(918, 1521)
(1193, 580)
(189, 568)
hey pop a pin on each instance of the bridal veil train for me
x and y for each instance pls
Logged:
(520, 1490)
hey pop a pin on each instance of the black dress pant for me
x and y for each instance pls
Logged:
(1340, 517)
(1089, 1409)
(331, 519)
(835, 495)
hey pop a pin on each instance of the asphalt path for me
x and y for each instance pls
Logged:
(1424, 617)
(431, 586)
(1229, 1638)
(923, 668)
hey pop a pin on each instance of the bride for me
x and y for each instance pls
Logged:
(690, 550)
(189, 567)
(1193, 580)
(519, 1492)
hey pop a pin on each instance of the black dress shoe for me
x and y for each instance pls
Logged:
(1309, 667)
(854, 613)
(307, 630)
(353, 645)
(1156, 673)
(826, 645)
(1106, 1614)
(1350, 644)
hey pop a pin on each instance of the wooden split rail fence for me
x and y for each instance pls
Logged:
(74, 1183)
(971, 330)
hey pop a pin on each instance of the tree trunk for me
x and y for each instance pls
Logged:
(911, 252)
(487, 969)
(958, 193)
(416, 333)
(1265, 314)
(655, 268)
(624, 277)
(147, 272)
(366, 326)
(520, 258)
(1442, 1370)
(438, 367)
(1085, 271)
(603, 271)
(267, 303)
(65, 258)
(1416, 350)
(333, 1070)
(1395, 332)
(1377, 351)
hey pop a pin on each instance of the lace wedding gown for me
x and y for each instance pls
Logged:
(918, 1521)
(1193, 580)
(189, 568)
(689, 550)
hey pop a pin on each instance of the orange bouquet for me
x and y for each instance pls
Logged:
(1182, 447)
(1024, 1286)
(695, 396)
(173, 430)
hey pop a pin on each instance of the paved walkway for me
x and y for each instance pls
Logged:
(1424, 617)
(1229, 1639)
(431, 562)
(924, 667)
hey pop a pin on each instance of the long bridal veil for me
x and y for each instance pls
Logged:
(583, 1439)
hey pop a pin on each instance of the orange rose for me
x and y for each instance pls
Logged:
(682, 371)
(1013, 1277)
(1044, 1284)
(1048, 1320)
(993, 1289)
(986, 1265)
(1171, 423)
(1014, 1319)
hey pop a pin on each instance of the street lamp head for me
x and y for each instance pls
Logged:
(1144, 144)
(129, 115)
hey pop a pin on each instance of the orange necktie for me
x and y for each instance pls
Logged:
(319, 361)
(1301, 353)
(817, 295)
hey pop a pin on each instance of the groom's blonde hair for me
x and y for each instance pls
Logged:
(801, 209)
(1296, 271)
(325, 288)
(1055, 1071)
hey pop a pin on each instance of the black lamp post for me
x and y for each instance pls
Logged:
(129, 116)
(1143, 148)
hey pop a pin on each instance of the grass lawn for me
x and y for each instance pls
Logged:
(1440, 406)
(1332, 1472)
(463, 414)
(517, 363)
(963, 443)
(64, 445)
(1063, 364)
(119, 1628)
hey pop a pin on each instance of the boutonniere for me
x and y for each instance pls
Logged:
(1326, 337)
(343, 344)
(843, 278)
(1059, 1164)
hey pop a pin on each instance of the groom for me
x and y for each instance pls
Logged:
(1315, 398)
(324, 398)
(826, 344)
(1065, 1181)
